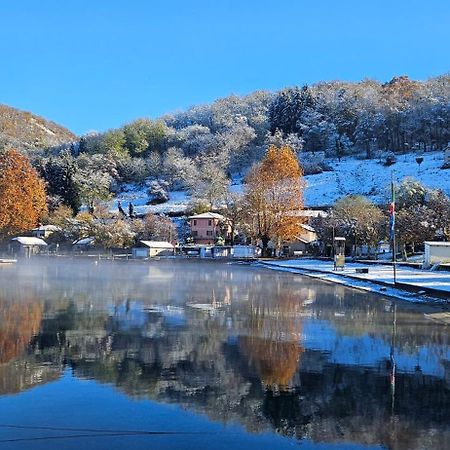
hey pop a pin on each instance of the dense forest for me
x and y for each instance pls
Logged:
(201, 148)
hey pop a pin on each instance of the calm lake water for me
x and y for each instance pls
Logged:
(190, 354)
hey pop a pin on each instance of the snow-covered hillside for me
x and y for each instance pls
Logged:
(350, 176)
(372, 179)
(177, 203)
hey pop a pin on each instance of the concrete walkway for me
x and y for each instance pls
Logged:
(416, 282)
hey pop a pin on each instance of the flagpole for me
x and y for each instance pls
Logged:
(394, 246)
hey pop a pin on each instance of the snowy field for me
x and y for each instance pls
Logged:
(372, 179)
(419, 279)
(178, 201)
(350, 176)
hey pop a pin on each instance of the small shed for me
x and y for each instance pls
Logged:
(150, 249)
(27, 246)
(436, 253)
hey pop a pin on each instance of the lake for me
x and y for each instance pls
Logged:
(200, 354)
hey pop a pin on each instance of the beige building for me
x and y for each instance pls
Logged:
(151, 249)
(301, 245)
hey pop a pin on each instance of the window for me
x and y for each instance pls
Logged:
(209, 233)
(195, 222)
(209, 222)
(195, 233)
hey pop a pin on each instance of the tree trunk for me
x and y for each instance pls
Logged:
(265, 242)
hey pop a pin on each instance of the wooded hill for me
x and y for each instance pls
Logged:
(201, 148)
(29, 132)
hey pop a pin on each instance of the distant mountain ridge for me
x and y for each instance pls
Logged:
(26, 131)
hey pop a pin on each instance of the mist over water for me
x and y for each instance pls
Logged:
(98, 353)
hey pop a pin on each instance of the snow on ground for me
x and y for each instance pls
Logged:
(178, 201)
(371, 179)
(419, 279)
(350, 176)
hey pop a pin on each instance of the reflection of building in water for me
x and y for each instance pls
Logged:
(197, 365)
(214, 363)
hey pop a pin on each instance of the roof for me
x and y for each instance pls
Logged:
(303, 240)
(157, 244)
(310, 213)
(47, 228)
(438, 243)
(25, 240)
(208, 215)
(308, 228)
(84, 241)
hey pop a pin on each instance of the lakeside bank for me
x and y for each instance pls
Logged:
(412, 285)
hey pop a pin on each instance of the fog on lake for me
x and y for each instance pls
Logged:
(213, 355)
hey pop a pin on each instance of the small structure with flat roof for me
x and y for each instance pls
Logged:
(27, 245)
(150, 249)
(436, 253)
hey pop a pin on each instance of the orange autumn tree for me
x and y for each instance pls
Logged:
(274, 197)
(22, 194)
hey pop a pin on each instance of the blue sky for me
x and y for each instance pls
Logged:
(96, 64)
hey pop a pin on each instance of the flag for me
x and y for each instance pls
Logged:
(392, 214)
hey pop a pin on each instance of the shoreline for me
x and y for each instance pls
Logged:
(375, 287)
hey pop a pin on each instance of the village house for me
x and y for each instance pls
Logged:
(83, 244)
(207, 227)
(150, 249)
(27, 246)
(44, 231)
(302, 244)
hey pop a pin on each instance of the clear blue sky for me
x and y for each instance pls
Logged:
(96, 64)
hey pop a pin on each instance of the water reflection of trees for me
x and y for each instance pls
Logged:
(19, 322)
(243, 363)
(271, 343)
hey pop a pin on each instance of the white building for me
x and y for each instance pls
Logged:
(27, 246)
(44, 231)
(245, 251)
(436, 253)
(150, 249)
